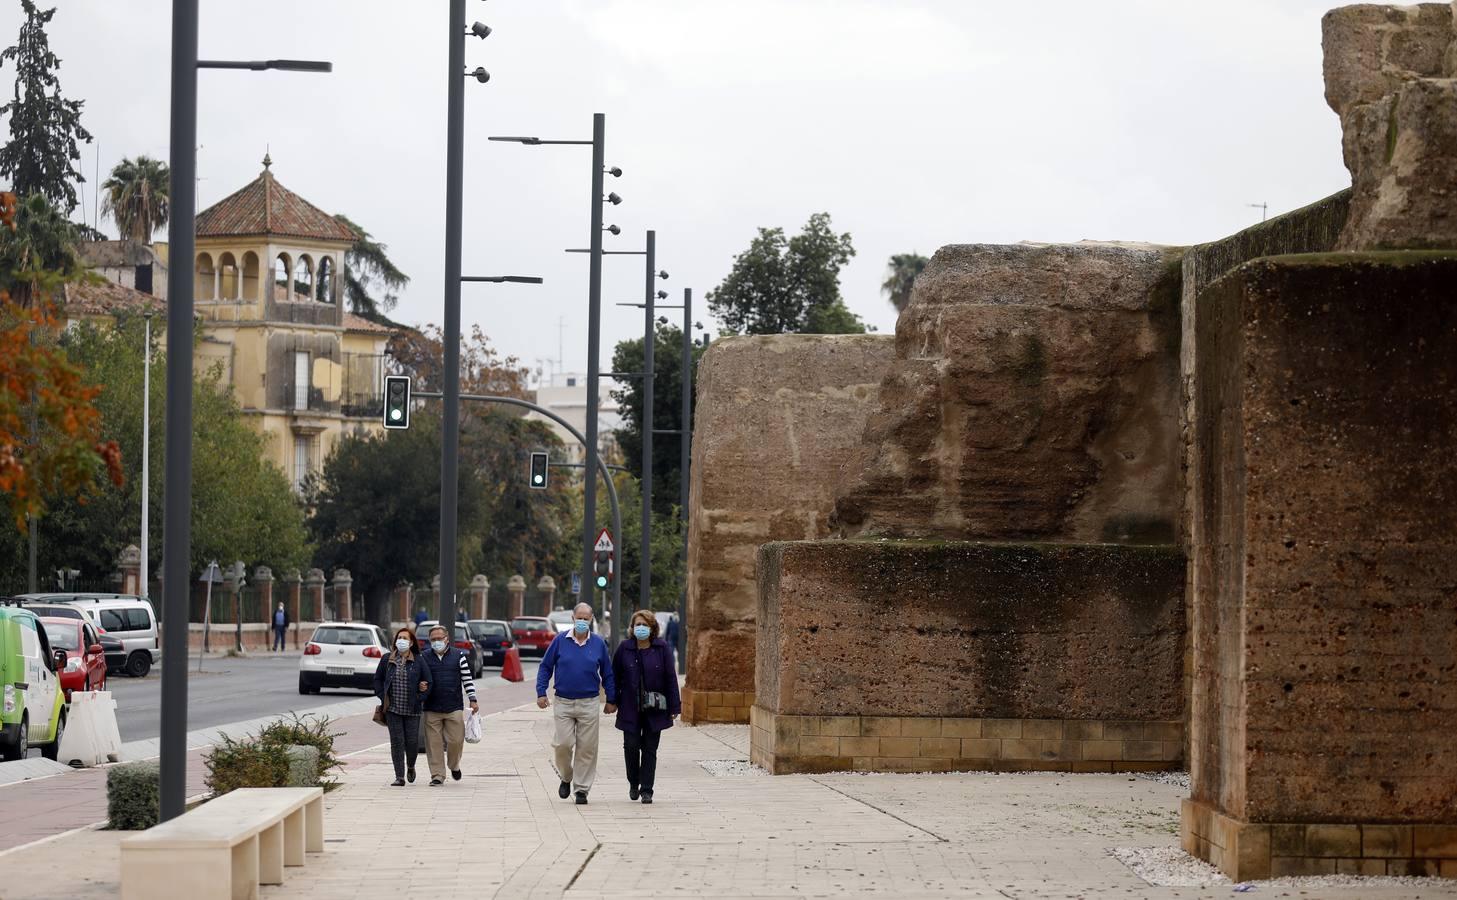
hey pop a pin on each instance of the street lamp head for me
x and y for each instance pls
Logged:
(614, 199)
(662, 295)
(662, 320)
(615, 172)
(480, 74)
(698, 325)
(614, 229)
(663, 274)
(481, 30)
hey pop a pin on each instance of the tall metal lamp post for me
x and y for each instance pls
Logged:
(177, 503)
(594, 317)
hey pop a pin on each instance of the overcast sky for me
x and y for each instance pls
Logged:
(915, 123)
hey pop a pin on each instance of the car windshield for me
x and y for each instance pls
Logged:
(57, 612)
(529, 624)
(62, 636)
(561, 617)
(348, 637)
(487, 629)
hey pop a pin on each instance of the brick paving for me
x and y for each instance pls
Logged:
(502, 832)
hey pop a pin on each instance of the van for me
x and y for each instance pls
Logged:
(32, 708)
(125, 617)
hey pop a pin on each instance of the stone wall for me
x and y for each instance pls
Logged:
(1028, 655)
(777, 426)
(1324, 623)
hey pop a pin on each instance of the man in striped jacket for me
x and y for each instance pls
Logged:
(444, 724)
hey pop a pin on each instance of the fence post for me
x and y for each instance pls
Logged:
(314, 584)
(130, 563)
(343, 583)
(263, 578)
(292, 583)
(479, 586)
(547, 588)
(515, 595)
(236, 582)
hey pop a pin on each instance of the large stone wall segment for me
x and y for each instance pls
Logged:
(1034, 396)
(776, 430)
(1324, 624)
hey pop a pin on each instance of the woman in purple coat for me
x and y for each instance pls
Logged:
(647, 699)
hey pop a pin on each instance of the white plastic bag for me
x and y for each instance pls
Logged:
(472, 728)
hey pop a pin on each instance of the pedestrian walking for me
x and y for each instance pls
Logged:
(647, 700)
(670, 635)
(420, 616)
(582, 666)
(444, 723)
(280, 628)
(401, 682)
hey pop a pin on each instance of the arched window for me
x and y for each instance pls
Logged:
(325, 293)
(250, 276)
(205, 278)
(282, 265)
(227, 277)
(303, 279)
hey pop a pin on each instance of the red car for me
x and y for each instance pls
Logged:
(85, 659)
(532, 633)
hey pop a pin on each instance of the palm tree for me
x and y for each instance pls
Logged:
(901, 277)
(136, 197)
(39, 252)
(365, 263)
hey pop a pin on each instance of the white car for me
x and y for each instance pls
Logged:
(341, 655)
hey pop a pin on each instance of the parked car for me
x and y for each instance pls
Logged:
(115, 652)
(341, 655)
(33, 712)
(533, 633)
(126, 617)
(494, 639)
(85, 658)
(462, 642)
(560, 619)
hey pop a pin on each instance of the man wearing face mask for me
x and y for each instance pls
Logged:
(582, 666)
(444, 724)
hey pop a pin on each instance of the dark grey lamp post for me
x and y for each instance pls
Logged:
(594, 319)
(177, 502)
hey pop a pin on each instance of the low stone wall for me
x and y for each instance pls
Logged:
(1323, 620)
(1027, 656)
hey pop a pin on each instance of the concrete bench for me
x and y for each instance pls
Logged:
(225, 848)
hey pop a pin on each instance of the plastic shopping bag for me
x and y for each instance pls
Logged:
(472, 728)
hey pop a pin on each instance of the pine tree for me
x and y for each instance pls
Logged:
(41, 155)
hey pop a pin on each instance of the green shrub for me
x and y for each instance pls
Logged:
(133, 795)
(303, 765)
(308, 730)
(249, 762)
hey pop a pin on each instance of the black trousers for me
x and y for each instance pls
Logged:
(404, 740)
(641, 747)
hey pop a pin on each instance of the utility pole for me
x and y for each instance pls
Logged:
(645, 557)
(684, 438)
(450, 421)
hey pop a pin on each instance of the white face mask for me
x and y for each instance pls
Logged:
(438, 646)
(402, 645)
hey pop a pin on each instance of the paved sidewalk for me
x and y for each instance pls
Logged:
(502, 832)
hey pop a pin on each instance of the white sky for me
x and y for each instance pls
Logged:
(915, 123)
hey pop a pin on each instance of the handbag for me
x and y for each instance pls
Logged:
(383, 707)
(646, 699)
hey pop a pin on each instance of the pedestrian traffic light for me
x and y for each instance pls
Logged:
(538, 471)
(397, 401)
(603, 567)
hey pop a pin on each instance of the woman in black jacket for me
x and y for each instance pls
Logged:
(647, 699)
(401, 682)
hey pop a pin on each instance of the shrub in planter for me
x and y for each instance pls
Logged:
(249, 762)
(303, 765)
(133, 795)
(308, 730)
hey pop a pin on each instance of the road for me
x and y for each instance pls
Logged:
(237, 689)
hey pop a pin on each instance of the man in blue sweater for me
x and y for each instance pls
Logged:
(583, 668)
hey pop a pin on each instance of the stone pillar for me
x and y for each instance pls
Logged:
(263, 577)
(403, 611)
(479, 587)
(235, 582)
(292, 585)
(314, 584)
(424, 599)
(343, 595)
(130, 564)
(515, 596)
(547, 587)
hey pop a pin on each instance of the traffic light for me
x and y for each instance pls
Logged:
(603, 567)
(538, 471)
(397, 401)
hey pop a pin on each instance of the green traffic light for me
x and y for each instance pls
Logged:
(602, 581)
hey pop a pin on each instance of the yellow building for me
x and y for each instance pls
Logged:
(268, 290)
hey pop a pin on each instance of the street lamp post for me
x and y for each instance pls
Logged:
(177, 498)
(146, 446)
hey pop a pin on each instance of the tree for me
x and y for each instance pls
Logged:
(37, 251)
(666, 572)
(901, 274)
(41, 155)
(788, 285)
(136, 197)
(667, 410)
(420, 353)
(365, 263)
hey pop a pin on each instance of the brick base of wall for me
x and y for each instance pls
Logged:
(1251, 850)
(786, 744)
(716, 707)
(256, 636)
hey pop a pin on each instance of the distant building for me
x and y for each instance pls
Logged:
(566, 395)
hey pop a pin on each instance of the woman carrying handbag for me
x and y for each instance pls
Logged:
(401, 682)
(647, 701)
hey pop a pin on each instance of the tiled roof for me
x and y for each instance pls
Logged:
(359, 323)
(106, 298)
(266, 207)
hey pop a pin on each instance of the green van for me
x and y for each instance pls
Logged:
(32, 712)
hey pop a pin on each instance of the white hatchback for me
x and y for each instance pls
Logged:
(341, 655)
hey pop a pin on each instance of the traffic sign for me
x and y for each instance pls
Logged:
(604, 542)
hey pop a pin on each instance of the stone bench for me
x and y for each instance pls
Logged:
(225, 848)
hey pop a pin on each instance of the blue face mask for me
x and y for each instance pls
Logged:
(580, 626)
(437, 646)
(641, 632)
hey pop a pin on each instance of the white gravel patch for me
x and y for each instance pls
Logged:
(731, 768)
(1176, 779)
(1168, 867)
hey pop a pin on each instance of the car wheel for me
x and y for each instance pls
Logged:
(303, 686)
(53, 749)
(139, 664)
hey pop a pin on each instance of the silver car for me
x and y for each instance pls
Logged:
(125, 617)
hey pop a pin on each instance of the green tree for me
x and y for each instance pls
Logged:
(39, 255)
(666, 573)
(136, 197)
(371, 280)
(667, 410)
(900, 278)
(41, 155)
(788, 285)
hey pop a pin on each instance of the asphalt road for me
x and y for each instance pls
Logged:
(237, 689)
